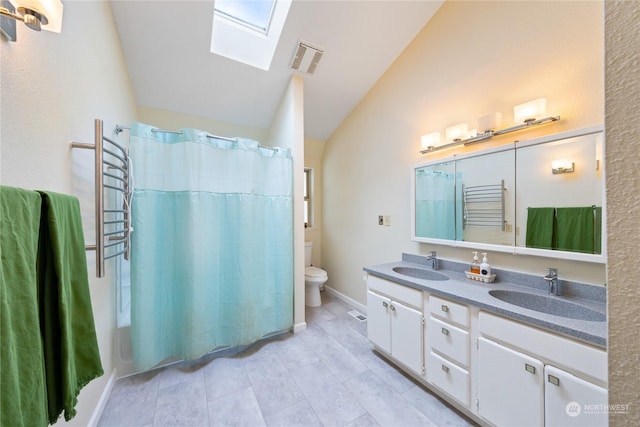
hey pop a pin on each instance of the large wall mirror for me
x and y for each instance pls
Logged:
(539, 197)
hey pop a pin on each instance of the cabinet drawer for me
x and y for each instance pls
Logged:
(397, 292)
(449, 340)
(449, 377)
(450, 311)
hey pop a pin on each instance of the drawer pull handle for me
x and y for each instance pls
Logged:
(553, 380)
(384, 304)
(445, 368)
(445, 331)
(392, 307)
(444, 308)
(530, 368)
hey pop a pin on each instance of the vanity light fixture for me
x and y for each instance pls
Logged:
(527, 112)
(430, 140)
(562, 166)
(456, 133)
(36, 14)
(489, 122)
(526, 115)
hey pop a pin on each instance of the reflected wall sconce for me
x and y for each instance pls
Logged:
(36, 14)
(526, 116)
(562, 166)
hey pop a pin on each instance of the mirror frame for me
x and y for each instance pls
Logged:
(513, 249)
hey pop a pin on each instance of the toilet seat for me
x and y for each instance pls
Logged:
(314, 273)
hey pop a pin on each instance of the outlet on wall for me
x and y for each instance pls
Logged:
(387, 220)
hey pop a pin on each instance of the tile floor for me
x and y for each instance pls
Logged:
(327, 375)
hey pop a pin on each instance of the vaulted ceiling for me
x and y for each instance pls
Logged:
(167, 49)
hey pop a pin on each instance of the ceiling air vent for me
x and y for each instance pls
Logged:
(306, 57)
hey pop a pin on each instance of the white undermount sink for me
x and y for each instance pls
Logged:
(549, 304)
(419, 273)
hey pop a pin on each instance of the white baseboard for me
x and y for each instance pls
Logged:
(102, 402)
(299, 327)
(355, 304)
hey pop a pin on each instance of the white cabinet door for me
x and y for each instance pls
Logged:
(378, 320)
(510, 386)
(407, 335)
(572, 401)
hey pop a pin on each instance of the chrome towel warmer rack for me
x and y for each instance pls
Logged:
(484, 205)
(113, 171)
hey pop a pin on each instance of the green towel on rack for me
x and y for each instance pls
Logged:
(72, 358)
(540, 228)
(576, 229)
(22, 391)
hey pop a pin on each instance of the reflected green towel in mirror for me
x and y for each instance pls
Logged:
(576, 229)
(540, 228)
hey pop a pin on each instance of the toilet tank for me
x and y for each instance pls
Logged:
(308, 246)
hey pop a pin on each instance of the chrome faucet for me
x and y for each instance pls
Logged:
(552, 279)
(434, 260)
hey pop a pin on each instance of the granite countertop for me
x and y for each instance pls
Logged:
(460, 288)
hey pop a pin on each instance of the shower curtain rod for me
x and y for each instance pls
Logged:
(178, 132)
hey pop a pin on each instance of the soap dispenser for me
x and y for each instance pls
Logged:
(485, 268)
(475, 265)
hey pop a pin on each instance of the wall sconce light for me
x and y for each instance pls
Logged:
(562, 166)
(457, 132)
(36, 14)
(526, 116)
(529, 111)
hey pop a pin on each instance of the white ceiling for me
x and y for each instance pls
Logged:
(167, 49)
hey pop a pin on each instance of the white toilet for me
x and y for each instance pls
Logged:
(314, 277)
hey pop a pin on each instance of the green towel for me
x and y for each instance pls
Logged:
(598, 232)
(22, 391)
(71, 351)
(540, 228)
(576, 229)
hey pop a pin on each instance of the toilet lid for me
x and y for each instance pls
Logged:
(314, 272)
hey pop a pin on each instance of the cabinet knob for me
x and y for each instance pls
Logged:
(445, 331)
(444, 308)
(445, 368)
(553, 380)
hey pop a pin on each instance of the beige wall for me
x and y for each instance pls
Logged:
(471, 59)
(313, 149)
(622, 90)
(287, 130)
(53, 87)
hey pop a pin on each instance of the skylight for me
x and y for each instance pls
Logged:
(248, 30)
(254, 14)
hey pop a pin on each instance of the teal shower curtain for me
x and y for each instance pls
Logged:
(212, 243)
(438, 213)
